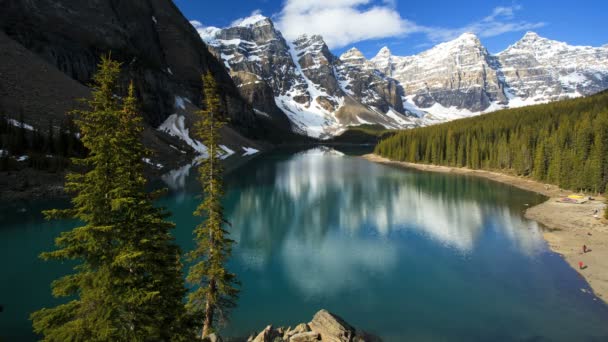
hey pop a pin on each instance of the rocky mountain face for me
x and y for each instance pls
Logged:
(270, 87)
(320, 93)
(159, 49)
(539, 69)
(461, 78)
(457, 74)
(372, 87)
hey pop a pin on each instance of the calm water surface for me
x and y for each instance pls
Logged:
(403, 254)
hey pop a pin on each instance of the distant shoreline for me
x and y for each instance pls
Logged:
(568, 226)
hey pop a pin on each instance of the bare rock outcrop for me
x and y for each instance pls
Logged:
(324, 326)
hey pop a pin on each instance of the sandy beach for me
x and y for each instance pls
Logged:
(567, 226)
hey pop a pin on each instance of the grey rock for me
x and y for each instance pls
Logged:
(331, 327)
(324, 326)
(267, 335)
(310, 336)
(300, 328)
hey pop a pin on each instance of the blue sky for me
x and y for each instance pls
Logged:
(409, 27)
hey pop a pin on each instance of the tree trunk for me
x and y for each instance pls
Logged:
(209, 310)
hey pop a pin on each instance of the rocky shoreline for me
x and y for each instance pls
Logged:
(324, 326)
(567, 226)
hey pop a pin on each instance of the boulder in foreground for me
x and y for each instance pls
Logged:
(324, 326)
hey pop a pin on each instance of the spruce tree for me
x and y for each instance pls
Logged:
(126, 285)
(564, 143)
(50, 147)
(147, 267)
(215, 290)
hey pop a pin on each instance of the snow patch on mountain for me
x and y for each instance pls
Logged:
(256, 19)
(249, 151)
(175, 126)
(19, 124)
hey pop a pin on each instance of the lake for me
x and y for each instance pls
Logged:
(403, 254)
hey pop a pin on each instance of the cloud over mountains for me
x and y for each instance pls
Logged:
(344, 22)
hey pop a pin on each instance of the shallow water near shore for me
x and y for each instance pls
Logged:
(404, 254)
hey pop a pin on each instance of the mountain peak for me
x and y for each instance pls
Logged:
(305, 39)
(353, 53)
(250, 21)
(531, 35)
(468, 38)
(384, 52)
(531, 40)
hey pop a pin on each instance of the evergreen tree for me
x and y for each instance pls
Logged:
(540, 162)
(19, 144)
(147, 266)
(215, 289)
(126, 285)
(564, 143)
(50, 146)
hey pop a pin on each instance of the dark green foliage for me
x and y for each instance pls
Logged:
(48, 151)
(215, 289)
(127, 285)
(563, 143)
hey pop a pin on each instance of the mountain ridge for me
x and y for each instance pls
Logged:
(454, 79)
(320, 93)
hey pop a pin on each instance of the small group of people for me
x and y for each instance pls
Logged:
(581, 265)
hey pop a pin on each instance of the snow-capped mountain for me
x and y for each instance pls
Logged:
(538, 69)
(320, 93)
(461, 78)
(459, 74)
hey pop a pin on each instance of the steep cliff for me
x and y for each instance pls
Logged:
(160, 51)
(320, 93)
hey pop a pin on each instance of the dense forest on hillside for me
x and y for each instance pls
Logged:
(24, 146)
(563, 143)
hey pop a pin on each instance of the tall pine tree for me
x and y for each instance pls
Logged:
(215, 289)
(127, 284)
(147, 266)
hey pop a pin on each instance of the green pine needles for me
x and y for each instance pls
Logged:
(215, 290)
(128, 284)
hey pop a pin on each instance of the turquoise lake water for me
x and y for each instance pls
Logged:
(403, 254)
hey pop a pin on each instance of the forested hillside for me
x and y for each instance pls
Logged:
(563, 143)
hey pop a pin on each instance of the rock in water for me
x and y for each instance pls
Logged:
(331, 327)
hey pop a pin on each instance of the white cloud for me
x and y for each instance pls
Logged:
(197, 24)
(256, 14)
(500, 21)
(342, 22)
(207, 33)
